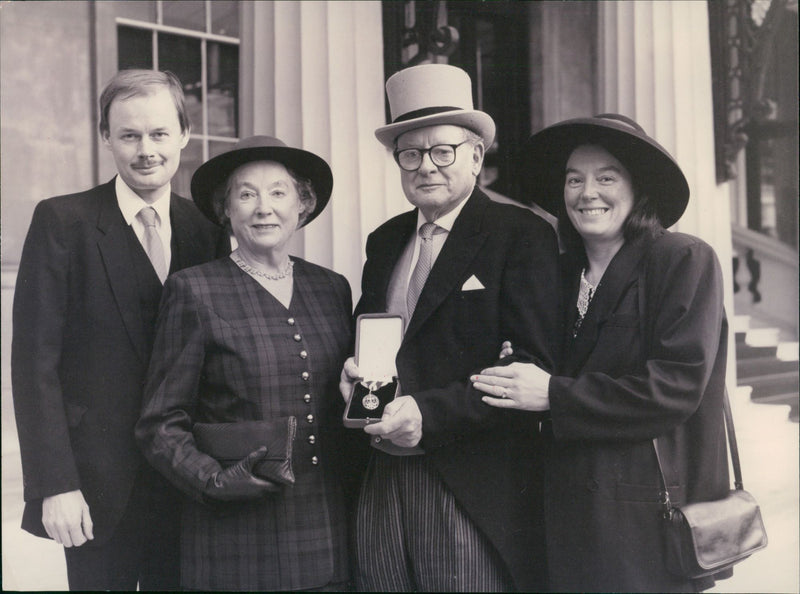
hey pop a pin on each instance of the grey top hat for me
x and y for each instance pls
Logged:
(429, 95)
(216, 170)
(545, 155)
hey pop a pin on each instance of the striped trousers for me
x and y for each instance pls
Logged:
(412, 535)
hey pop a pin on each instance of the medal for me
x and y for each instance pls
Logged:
(371, 401)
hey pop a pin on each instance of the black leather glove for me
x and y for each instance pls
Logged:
(238, 483)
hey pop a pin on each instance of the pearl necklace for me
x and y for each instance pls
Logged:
(287, 271)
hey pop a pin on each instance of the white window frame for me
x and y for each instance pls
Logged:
(204, 37)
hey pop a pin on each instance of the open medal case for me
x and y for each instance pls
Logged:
(378, 338)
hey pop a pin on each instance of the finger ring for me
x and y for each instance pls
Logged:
(505, 393)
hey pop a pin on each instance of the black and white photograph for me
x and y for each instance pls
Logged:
(400, 295)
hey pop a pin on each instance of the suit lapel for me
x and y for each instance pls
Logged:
(113, 245)
(617, 279)
(463, 242)
(393, 242)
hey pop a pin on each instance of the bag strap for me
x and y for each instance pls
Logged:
(737, 469)
(734, 450)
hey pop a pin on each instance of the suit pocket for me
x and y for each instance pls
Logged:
(74, 414)
(618, 346)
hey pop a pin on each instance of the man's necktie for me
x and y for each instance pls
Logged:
(423, 266)
(152, 242)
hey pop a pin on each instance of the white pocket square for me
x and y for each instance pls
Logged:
(472, 284)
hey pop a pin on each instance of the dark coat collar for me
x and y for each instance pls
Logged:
(621, 273)
(113, 246)
(463, 242)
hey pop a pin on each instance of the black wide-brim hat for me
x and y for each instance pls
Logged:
(305, 164)
(544, 158)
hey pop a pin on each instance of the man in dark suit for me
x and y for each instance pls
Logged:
(451, 500)
(86, 300)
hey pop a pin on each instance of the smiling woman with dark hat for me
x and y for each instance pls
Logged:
(645, 357)
(254, 340)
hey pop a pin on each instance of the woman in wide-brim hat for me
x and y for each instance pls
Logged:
(256, 336)
(644, 358)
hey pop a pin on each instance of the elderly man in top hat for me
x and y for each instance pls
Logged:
(451, 499)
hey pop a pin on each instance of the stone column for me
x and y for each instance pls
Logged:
(312, 75)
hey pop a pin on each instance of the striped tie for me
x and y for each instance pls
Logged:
(423, 267)
(152, 242)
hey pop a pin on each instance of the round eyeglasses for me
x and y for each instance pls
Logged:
(442, 155)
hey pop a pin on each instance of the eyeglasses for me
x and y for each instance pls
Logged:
(442, 155)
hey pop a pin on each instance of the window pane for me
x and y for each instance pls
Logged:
(134, 48)
(181, 56)
(191, 158)
(217, 148)
(225, 18)
(140, 10)
(186, 14)
(223, 84)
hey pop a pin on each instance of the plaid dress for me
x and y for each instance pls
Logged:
(227, 350)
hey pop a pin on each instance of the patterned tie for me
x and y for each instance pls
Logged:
(423, 266)
(152, 242)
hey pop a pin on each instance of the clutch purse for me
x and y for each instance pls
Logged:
(710, 537)
(228, 443)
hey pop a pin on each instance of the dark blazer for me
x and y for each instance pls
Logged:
(487, 457)
(648, 361)
(226, 350)
(84, 312)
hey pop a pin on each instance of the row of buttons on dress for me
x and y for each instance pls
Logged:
(306, 397)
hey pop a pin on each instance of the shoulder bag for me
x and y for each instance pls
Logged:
(709, 537)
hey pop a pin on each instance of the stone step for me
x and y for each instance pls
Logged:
(784, 382)
(747, 410)
(746, 351)
(787, 381)
(756, 366)
(763, 336)
(741, 323)
(777, 388)
(789, 351)
(786, 399)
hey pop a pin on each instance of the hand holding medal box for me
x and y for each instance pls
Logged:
(378, 338)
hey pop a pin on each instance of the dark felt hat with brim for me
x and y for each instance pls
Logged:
(544, 158)
(305, 164)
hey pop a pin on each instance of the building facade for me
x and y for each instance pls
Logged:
(715, 83)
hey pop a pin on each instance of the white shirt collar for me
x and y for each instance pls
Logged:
(446, 221)
(130, 203)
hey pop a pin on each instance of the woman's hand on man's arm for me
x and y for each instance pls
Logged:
(522, 386)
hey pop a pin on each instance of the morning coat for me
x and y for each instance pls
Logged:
(84, 312)
(487, 457)
(648, 361)
(226, 350)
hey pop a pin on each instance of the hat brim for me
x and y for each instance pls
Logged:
(545, 154)
(478, 121)
(305, 164)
